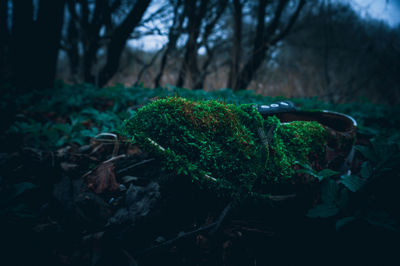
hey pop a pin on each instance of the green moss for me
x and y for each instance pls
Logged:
(298, 142)
(223, 146)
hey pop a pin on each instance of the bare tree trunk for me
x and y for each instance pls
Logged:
(89, 58)
(48, 35)
(72, 40)
(118, 41)
(237, 43)
(22, 30)
(327, 32)
(3, 19)
(146, 66)
(173, 35)
(170, 46)
(73, 51)
(4, 36)
(85, 27)
(204, 71)
(198, 78)
(265, 37)
(92, 42)
(259, 48)
(189, 64)
(89, 51)
(35, 43)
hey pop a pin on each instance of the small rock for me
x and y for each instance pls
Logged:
(139, 202)
(122, 187)
(111, 201)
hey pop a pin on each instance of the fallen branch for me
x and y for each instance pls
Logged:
(222, 218)
(123, 170)
(174, 240)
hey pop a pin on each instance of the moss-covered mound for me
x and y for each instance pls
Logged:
(224, 145)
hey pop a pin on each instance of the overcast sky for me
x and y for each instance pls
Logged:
(386, 10)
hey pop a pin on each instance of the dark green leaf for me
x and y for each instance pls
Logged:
(329, 196)
(329, 191)
(382, 219)
(367, 152)
(325, 173)
(352, 182)
(323, 211)
(366, 170)
(343, 198)
(20, 188)
(22, 211)
(308, 172)
(343, 221)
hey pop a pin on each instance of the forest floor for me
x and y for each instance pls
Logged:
(75, 191)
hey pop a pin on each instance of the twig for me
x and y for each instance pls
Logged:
(281, 197)
(97, 148)
(256, 230)
(161, 148)
(134, 165)
(213, 227)
(221, 218)
(175, 239)
(105, 162)
(114, 158)
(132, 261)
(114, 140)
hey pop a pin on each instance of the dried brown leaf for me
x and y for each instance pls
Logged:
(133, 150)
(102, 178)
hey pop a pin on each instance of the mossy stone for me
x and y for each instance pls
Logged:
(223, 146)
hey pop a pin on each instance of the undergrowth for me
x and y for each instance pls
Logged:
(72, 114)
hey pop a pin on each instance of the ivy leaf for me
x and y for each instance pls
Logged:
(329, 196)
(343, 221)
(329, 191)
(22, 187)
(321, 175)
(22, 211)
(367, 130)
(382, 219)
(343, 198)
(325, 173)
(352, 182)
(382, 148)
(323, 211)
(308, 172)
(367, 152)
(366, 170)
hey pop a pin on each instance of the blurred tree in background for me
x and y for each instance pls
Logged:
(30, 36)
(286, 47)
(96, 25)
(338, 55)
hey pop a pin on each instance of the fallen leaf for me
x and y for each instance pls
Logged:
(133, 150)
(102, 178)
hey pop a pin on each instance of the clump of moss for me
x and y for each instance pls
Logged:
(295, 143)
(223, 146)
